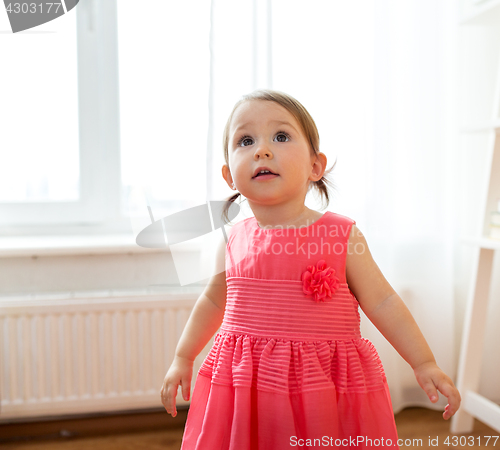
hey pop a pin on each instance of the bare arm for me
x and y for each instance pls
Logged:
(387, 311)
(382, 305)
(203, 322)
(205, 319)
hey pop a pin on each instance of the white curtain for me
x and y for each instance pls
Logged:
(409, 210)
(378, 78)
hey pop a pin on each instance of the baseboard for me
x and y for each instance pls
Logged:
(51, 428)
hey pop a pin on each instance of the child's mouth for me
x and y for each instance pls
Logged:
(265, 176)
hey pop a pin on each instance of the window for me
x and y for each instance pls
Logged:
(60, 125)
(164, 67)
(39, 125)
(39, 137)
(103, 129)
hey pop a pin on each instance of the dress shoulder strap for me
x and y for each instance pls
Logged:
(343, 225)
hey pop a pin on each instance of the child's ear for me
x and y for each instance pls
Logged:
(226, 174)
(319, 166)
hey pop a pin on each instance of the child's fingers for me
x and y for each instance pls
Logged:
(447, 414)
(450, 392)
(171, 395)
(163, 396)
(449, 411)
(430, 390)
(168, 394)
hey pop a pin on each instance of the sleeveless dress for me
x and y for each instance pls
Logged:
(288, 367)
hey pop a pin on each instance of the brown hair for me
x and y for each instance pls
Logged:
(307, 125)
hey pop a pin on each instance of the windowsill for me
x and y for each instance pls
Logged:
(15, 246)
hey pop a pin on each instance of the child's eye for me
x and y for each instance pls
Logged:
(242, 140)
(282, 134)
(245, 141)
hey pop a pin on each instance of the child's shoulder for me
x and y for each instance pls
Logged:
(240, 224)
(238, 227)
(342, 217)
(340, 224)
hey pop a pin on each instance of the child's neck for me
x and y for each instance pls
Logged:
(272, 218)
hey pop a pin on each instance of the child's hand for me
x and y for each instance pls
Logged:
(431, 379)
(180, 372)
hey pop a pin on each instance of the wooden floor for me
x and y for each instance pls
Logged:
(157, 430)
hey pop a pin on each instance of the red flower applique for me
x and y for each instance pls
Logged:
(320, 281)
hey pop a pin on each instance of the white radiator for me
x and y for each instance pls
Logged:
(88, 354)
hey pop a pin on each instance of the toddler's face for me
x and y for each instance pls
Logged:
(264, 134)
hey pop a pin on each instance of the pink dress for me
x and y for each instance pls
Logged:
(289, 367)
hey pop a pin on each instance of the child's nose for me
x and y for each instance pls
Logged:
(263, 151)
